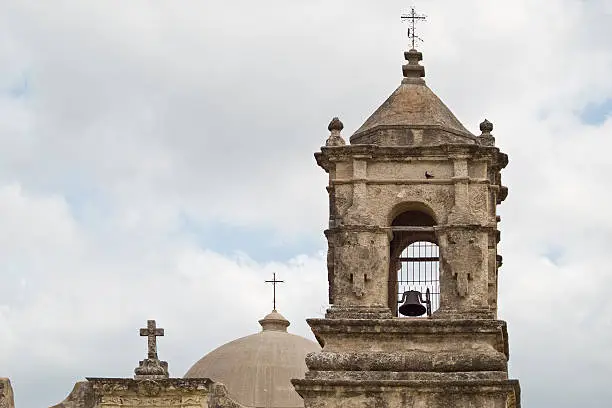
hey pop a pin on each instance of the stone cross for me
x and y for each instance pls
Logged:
(151, 331)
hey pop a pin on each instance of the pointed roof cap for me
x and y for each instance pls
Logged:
(412, 115)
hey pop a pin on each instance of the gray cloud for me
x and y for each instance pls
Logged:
(137, 116)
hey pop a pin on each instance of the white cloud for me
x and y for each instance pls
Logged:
(139, 114)
(73, 307)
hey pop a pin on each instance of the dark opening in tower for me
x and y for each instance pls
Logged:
(418, 271)
(414, 264)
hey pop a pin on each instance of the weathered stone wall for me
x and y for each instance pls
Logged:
(456, 185)
(406, 393)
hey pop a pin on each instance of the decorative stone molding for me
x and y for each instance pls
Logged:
(132, 393)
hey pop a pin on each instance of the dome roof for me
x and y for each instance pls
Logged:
(257, 369)
(412, 115)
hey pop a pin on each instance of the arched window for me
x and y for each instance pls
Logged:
(414, 260)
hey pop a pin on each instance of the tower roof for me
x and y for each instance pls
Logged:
(412, 115)
(257, 369)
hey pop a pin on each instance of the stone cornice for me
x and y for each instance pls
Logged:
(450, 181)
(322, 328)
(328, 154)
(149, 387)
(388, 230)
(477, 386)
(467, 360)
(357, 228)
(413, 326)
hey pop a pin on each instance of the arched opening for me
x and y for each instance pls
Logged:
(414, 260)
(419, 270)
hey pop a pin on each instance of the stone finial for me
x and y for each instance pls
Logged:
(486, 138)
(274, 321)
(151, 368)
(486, 127)
(335, 124)
(335, 139)
(413, 71)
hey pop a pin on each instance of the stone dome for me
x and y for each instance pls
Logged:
(257, 369)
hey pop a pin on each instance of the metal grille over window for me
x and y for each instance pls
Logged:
(419, 272)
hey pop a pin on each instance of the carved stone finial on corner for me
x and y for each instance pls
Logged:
(335, 139)
(486, 127)
(486, 138)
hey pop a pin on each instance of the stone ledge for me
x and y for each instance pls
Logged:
(502, 390)
(476, 386)
(400, 181)
(410, 376)
(444, 151)
(407, 325)
(415, 361)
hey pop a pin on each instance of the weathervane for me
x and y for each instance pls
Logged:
(274, 282)
(413, 17)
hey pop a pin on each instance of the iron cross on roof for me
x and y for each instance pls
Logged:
(274, 282)
(151, 331)
(413, 17)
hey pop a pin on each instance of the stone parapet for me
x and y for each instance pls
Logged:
(162, 393)
(410, 344)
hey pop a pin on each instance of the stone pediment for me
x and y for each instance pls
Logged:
(132, 393)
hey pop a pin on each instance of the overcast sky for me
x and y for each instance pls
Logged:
(156, 162)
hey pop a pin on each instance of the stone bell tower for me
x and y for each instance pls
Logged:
(411, 173)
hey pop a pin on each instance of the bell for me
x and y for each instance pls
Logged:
(412, 304)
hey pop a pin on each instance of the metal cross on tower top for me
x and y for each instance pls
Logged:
(413, 17)
(152, 332)
(274, 282)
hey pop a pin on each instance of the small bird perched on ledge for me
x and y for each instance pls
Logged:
(428, 176)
